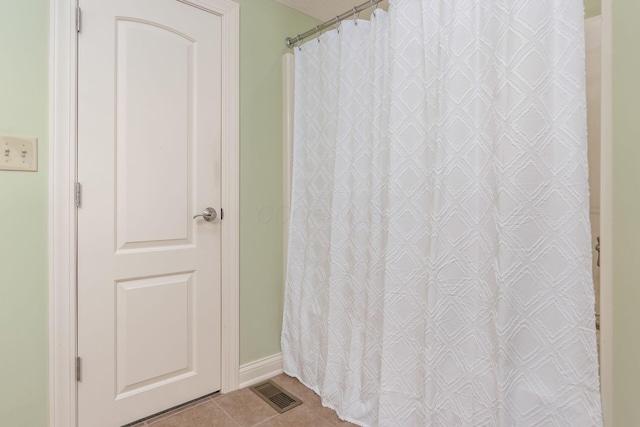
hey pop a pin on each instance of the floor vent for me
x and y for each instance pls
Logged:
(276, 397)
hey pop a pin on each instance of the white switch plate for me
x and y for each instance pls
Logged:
(18, 153)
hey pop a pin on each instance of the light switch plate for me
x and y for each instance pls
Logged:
(18, 153)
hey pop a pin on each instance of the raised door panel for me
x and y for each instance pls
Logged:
(154, 317)
(154, 117)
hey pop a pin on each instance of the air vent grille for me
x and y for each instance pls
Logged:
(276, 397)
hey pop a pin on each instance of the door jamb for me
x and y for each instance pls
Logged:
(606, 218)
(63, 51)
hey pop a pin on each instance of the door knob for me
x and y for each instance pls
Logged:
(209, 214)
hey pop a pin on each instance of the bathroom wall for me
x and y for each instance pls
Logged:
(264, 24)
(592, 7)
(24, 339)
(626, 212)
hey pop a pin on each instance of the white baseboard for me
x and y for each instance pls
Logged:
(260, 370)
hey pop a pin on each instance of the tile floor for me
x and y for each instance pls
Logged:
(243, 408)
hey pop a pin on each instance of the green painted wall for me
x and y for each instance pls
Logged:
(24, 338)
(23, 196)
(592, 7)
(264, 24)
(626, 211)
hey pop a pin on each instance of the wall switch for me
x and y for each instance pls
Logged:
(18, 154)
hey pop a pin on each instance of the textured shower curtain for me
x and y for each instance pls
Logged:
(439, 266)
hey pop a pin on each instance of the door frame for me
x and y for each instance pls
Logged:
(63, 63)
(606, 217)
(606, 212)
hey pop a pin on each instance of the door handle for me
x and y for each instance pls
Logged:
(209, 215)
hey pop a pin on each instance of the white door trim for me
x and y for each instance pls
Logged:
(606, 217)
(260, 370)
(288, 86)
(63, 40)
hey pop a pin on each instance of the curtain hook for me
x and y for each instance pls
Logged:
(299, 44)
(318, 33)
(355, 17)
(338, 21)
(375, 5)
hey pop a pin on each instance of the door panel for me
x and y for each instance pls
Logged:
(149, 117)
(154, 316)
(154, 125)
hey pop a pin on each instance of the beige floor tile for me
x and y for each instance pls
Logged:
(208, 414)
(301, 416)
(183, 408)
(245, 407)
(310, 399)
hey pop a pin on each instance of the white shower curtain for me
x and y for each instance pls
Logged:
(439, 266)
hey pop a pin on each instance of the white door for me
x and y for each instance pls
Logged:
(149, 121)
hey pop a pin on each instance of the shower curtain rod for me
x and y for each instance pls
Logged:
(291, 41)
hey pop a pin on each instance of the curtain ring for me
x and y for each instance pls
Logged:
(299, 44)
(355, 17)
(318, 33)
(338, 21)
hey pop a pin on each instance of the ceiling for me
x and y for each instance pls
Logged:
(325, 10)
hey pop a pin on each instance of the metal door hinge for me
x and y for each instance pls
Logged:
(78, 369)
(78, 19)
(78, 195)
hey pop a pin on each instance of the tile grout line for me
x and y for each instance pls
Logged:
(226, 413)
(265, 420)
(324, 422)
